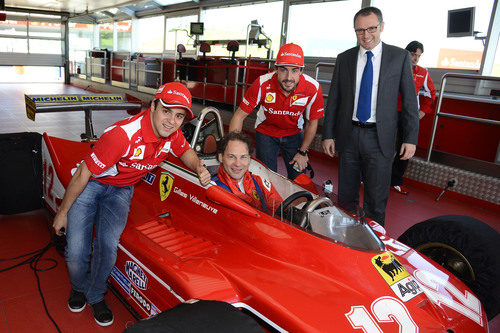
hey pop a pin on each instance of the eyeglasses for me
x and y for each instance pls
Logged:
(369, 29)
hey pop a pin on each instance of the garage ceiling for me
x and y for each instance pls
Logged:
(79, 7)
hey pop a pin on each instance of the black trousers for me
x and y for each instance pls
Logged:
(398, 166)
(362, 157)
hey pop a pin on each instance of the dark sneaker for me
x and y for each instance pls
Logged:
(76, 301)
(102, 314)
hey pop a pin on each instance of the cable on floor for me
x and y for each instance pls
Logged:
(34, 259)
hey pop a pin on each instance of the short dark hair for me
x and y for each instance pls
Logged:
(234, 136)
(367, 11)
(414, 46)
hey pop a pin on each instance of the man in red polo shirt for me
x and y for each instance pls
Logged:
(288, 98)
(100, 191)
(426, 94)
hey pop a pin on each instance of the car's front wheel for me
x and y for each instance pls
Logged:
(465, 246)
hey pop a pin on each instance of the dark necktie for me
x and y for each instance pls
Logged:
(365, 90)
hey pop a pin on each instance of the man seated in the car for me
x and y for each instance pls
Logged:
(234, 154)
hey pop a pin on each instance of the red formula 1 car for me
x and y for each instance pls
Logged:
(309, 268)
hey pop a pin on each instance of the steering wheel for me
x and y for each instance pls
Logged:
(284, 205)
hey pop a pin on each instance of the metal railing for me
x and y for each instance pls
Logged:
(123, 68)
(145, 70)
(456, 116)
(103, 64)
(316, 75)
(237, 84)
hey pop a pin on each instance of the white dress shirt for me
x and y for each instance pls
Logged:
(376, 60)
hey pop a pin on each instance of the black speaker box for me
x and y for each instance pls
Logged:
(20, 172)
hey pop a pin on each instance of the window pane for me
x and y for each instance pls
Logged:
(45, 29)
(124, 33)
(178, 32)
(150, 34)
(106, 36)
(80, 36)
(231, 23)
(13, 45)
(45, 46)
(13, 28)
(30, 74)
(428, 24)
(496, 64)
(323, 36)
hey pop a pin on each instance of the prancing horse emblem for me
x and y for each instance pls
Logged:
(166, 181)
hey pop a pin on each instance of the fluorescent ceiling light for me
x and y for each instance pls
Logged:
(169, 2)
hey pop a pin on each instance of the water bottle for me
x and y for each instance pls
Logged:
(328, 187)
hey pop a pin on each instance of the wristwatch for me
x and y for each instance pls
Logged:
(303, 153)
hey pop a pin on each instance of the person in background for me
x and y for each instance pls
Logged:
(361, 120)
(288, 98)
(234, 154)
(426, 94)
(99, 193)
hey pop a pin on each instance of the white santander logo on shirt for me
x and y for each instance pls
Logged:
(138, 153)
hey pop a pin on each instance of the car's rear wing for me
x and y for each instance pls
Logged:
(75, 102)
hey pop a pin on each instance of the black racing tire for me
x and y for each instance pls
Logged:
(468, 248)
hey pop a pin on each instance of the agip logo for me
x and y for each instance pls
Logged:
(136, 275)
(166, 182)
(396, 276)
(389, 267)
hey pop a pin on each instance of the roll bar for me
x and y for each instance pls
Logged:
(200, 120)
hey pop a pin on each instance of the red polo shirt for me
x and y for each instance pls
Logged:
(281, 115)
(129, 149)
(423, 82)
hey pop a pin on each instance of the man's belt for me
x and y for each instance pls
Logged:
(363, 125)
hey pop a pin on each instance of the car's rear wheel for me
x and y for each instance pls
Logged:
(466, 247)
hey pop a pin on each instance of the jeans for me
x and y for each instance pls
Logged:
(268, 148)
(106, 207)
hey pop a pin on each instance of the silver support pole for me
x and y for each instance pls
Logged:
(449, 115)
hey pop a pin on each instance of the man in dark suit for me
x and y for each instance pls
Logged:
(361, 120)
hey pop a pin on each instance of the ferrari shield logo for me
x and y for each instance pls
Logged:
(166, 181)
(256, 195)
(301, 101)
